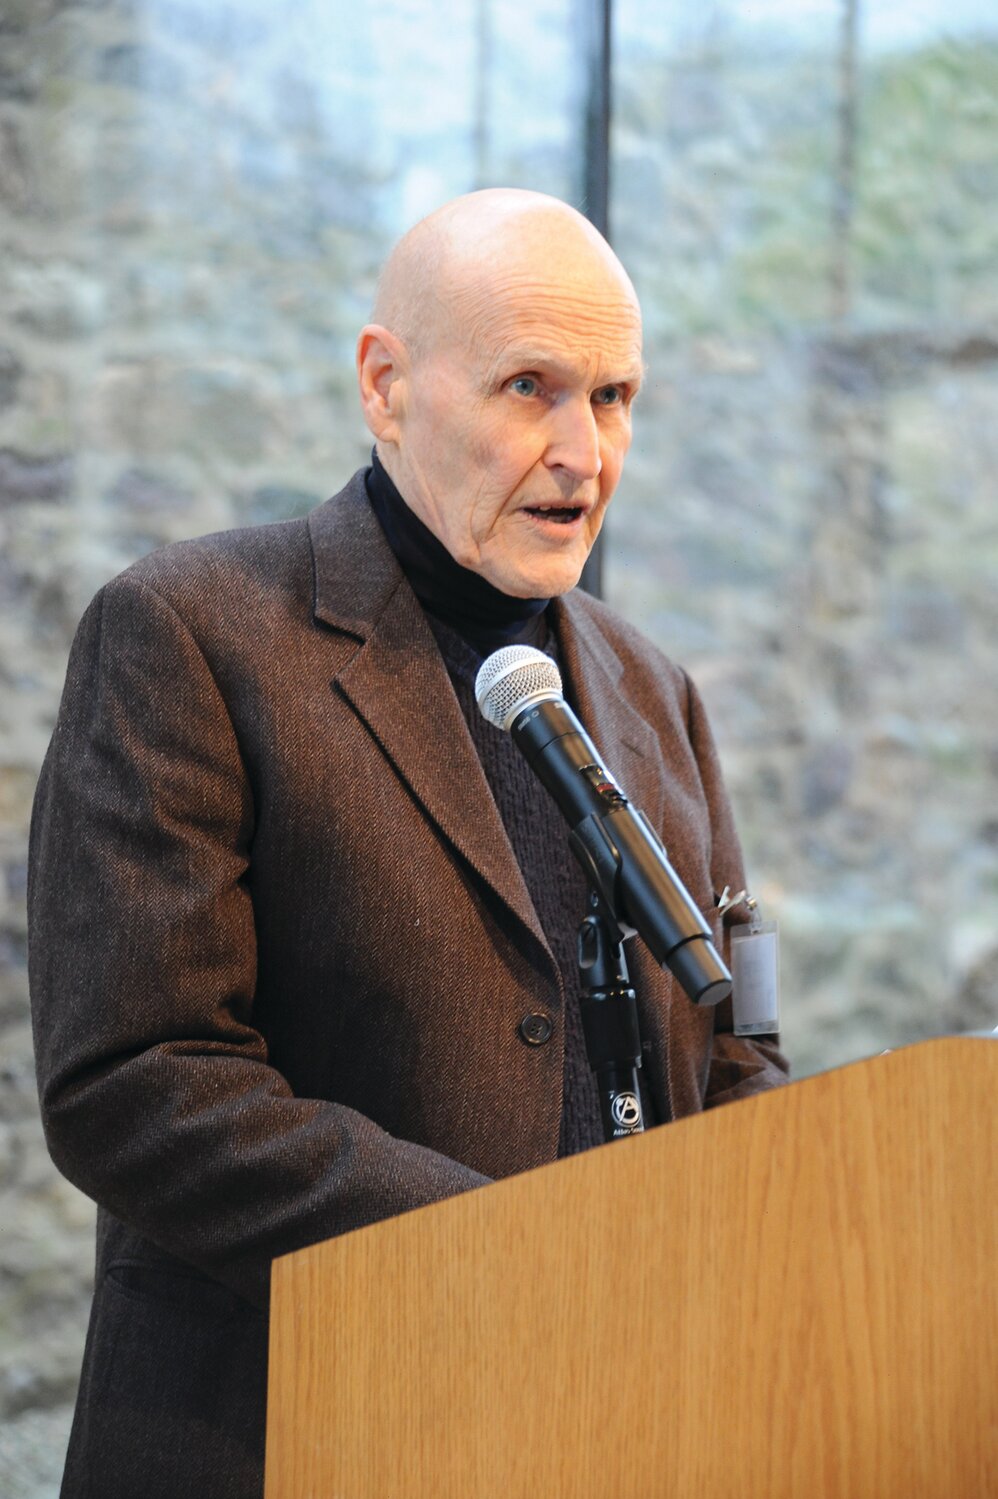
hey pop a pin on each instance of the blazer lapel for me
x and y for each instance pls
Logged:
(626, 740)
(398, 685)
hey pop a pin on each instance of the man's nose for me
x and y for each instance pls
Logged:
(574, 442)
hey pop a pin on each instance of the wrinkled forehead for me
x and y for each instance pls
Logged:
(538, 315)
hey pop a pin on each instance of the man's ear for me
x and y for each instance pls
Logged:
(381, 367)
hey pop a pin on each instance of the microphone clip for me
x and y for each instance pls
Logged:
(610, 1021)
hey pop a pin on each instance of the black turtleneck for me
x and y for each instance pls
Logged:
(485, 617)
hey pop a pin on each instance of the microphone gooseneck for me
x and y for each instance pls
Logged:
(519, 689)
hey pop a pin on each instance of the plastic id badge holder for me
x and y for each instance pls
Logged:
(755, 974)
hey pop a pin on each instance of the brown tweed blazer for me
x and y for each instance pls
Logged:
(280, 947)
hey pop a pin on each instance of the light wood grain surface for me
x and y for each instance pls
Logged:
(794, 1296)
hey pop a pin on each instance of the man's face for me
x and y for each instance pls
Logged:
(514, 424)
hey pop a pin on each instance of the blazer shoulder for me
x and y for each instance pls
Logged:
(242, 563)
(248, 572)
(648, 674)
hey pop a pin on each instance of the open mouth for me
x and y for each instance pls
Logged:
(563, 515)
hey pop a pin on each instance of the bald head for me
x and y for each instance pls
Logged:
(497, 377)
(449, 264)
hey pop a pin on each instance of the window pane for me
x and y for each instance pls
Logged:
(805, 197)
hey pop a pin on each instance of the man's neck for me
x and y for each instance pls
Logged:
(460, 598)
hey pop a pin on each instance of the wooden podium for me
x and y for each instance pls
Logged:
(796, 1296)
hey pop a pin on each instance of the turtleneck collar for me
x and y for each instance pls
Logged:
(460, 598)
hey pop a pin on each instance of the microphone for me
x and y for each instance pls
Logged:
(518, 689)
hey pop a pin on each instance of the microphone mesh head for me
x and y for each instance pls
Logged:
(512, 679)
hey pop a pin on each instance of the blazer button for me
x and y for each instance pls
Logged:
(536, 1029)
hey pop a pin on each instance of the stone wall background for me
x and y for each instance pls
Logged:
(193, 204)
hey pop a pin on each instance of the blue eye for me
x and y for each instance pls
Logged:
(609, 395)
(524, 385)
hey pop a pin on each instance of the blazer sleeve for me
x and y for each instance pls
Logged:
(739, 1065)
(157, 1096)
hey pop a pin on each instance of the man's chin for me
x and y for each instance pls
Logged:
(547, 581)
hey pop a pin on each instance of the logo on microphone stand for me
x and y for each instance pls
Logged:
(625, 1112)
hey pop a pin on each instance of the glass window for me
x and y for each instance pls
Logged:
(805, 196)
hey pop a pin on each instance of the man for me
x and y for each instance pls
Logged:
(302, 923)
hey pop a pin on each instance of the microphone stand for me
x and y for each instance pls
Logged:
(610, 1021)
